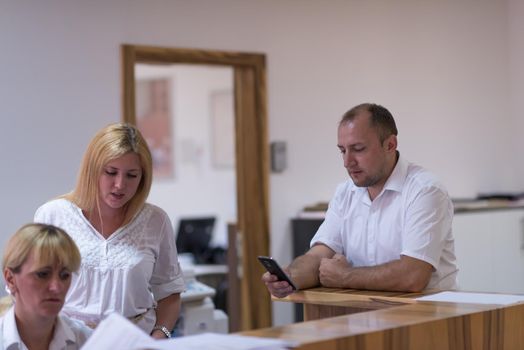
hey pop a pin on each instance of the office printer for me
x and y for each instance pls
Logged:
(198, 313)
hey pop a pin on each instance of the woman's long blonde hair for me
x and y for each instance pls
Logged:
(113, 141)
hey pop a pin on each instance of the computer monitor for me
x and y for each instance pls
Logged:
(194, 235)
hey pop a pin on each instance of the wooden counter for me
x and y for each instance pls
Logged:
(328, 302)
(397, 321)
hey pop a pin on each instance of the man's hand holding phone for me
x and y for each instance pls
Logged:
(276, 280)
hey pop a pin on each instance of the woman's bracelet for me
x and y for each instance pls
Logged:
(163, 329)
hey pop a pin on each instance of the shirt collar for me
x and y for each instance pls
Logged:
(10, 332)
(63, 334)
(395, 181)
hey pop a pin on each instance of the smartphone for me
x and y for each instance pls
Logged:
(274, 268)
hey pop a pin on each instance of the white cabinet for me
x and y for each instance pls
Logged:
(490, 250)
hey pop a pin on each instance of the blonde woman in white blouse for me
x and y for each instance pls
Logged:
(37, 265)
(129, 258)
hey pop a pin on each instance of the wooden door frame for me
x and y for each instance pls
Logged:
(252, 156)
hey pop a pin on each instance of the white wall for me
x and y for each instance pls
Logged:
(516, 76)
(448, 70)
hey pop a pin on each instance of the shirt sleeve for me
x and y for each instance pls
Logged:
(167, 275)
(41, 215)
(329, 232)
(428, 221)
(54, 212)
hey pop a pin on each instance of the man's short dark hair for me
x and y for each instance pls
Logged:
(381, 119)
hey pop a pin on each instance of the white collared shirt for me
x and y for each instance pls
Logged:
(68, 335)
(411, 216)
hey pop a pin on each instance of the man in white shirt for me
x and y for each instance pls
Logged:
(388, 228)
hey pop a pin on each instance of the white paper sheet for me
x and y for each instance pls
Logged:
(222, 342)
(474, 298)
(116, 332)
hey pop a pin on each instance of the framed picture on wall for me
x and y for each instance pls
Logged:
(153, 116)
(222, 129)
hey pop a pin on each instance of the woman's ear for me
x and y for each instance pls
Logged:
(9, 278)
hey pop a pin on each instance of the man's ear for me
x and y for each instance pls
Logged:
(9, 278)
(391, 143)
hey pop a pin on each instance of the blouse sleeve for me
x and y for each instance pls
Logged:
(42, 215)
(167, 276)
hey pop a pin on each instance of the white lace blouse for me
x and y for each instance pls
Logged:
(126, 273)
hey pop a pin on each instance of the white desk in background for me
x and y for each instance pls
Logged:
(209, 269)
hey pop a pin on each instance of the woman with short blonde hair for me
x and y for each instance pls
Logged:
(49, 245)
(38, 264)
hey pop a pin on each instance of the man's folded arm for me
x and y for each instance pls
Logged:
(304, 269)
(406, 274)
